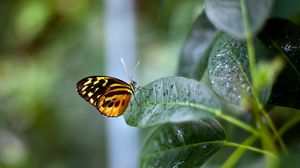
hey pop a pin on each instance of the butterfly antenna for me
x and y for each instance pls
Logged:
(135, 68)
(124, 65)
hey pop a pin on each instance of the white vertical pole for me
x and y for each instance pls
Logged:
(120, 42)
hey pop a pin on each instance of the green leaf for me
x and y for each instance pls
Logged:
(227, 15)
(228, 68)
(286, 8)
(170, 99)
(266, 73)
(283, 38)
(185, 145)
(196, 49)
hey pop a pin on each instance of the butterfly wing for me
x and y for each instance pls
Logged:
(114, 105)
(109, 95)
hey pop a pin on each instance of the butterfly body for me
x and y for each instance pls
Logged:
(109, 95)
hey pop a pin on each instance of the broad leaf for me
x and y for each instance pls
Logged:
(170, 99)
(185, 145)
(228, 68)
(194, 54)
(283, 38)
(227, 15)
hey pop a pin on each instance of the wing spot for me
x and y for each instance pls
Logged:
(92, 100)
(123, 103)
(83, 93)
(104, 82)
(97, 81)
(117, 103)
(110, 104)
(90, 94)
(89, 81)
(105, 103)
(84, 88)
(98, 96)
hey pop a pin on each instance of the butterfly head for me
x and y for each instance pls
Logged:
(133, 84)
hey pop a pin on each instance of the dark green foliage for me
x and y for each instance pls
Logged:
(197, 47)
(251, 61)
(283, 38)
(186, 144)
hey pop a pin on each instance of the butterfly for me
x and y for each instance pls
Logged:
(109, 95)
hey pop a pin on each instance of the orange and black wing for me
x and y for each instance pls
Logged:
(109, 95)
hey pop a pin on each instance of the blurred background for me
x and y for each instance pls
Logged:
(46, 46)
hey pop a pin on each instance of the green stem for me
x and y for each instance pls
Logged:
(238, 153)
(265, 138)
(226, 143)
(248, 35)
(251, 53)
(288, 125)
(267, 143)
(273, 128)
(237, 122)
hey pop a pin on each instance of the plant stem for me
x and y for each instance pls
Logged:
(294, 120)
(248, 35)
(252, 61)
(273, 128)
(237, 122)
(238, 153)
(267, 142)
(251, 149)
(228, 118)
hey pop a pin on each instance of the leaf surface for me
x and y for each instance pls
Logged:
(187, 144)
(196, 49)
(227, 16)
(170, 99)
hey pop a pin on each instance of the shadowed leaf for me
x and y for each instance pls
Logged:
(196, 49)
(283, 38)
(185, 145)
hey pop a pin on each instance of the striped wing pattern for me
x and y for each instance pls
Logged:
(109, 95)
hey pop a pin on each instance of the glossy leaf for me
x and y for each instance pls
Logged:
(283, 38)
(194, 54)
(170, 99)
(185, 145)
(228, 68)
(227, 15)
